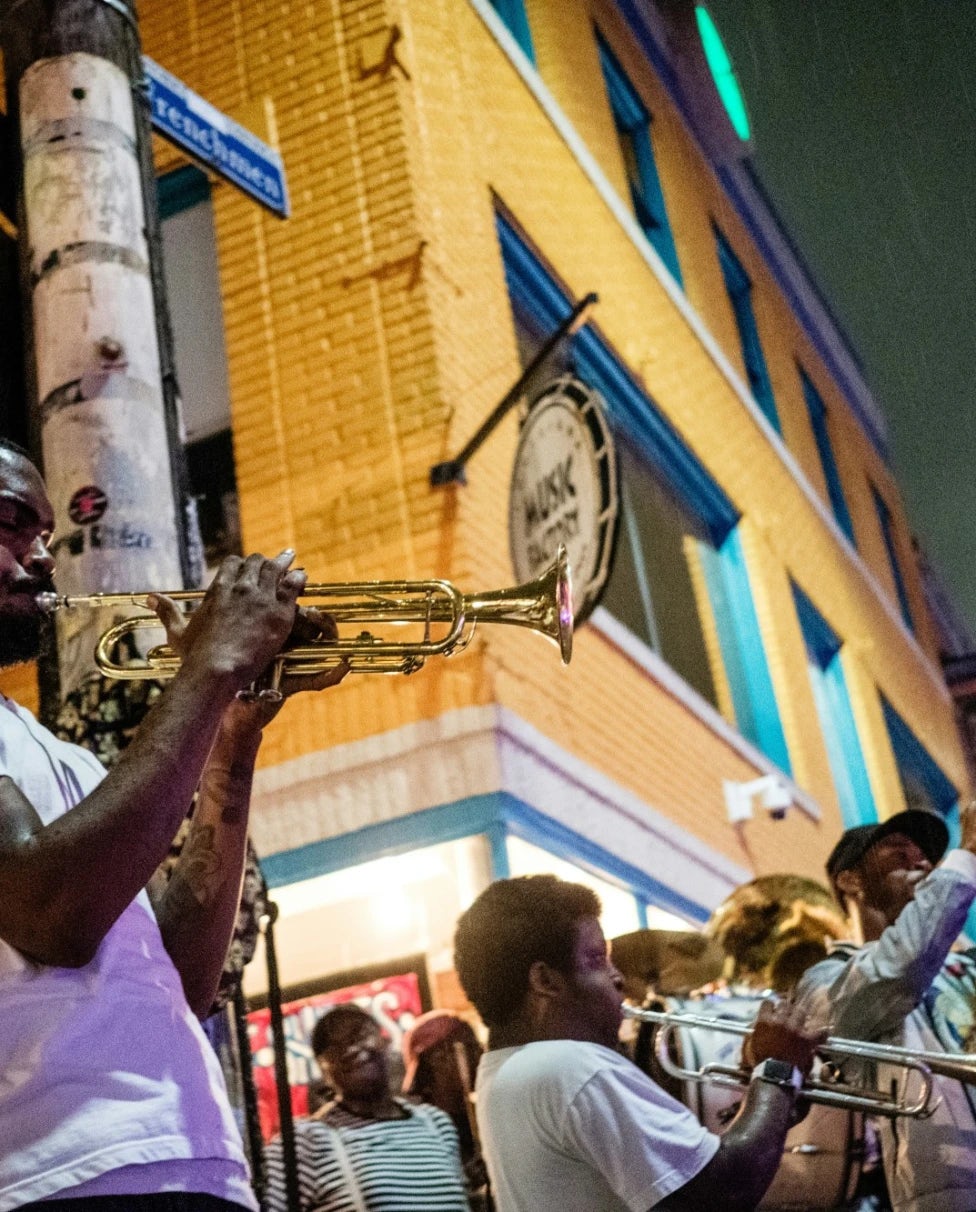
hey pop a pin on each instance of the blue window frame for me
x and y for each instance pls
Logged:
(633, 123)
(512, 12)
(888, 536)
(540, 304)
(834, 712)
(739, 288)
(924, 783)
(818, 422)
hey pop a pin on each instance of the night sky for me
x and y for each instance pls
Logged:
(862, 117)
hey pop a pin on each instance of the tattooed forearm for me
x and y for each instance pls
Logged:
(200, 869)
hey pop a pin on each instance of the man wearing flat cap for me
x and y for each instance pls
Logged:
(903, 983)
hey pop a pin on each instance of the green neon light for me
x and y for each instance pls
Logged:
(720, 65)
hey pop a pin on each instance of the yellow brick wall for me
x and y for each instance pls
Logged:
(369, 335)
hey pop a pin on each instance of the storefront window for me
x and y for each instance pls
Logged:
(400, 905)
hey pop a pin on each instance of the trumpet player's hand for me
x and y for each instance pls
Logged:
(243, 621)
(782, 1031)
(311, 627)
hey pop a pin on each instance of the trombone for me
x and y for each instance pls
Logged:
(445, 617)
(827, 1085)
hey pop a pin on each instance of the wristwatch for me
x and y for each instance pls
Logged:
(778, 1073)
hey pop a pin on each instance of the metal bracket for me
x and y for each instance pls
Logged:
(451, 471)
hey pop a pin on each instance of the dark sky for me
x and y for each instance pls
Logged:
(862, 117)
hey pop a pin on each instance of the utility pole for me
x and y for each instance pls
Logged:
(104, 417)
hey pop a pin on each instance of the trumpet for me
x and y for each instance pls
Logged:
(827, 1085)
(445, 618)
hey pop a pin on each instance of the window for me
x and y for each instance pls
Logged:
(633, 124)
(818, 421)
(193, 288)
(674, 515)
(888, 536)
(835, 715)
(739, 288)
(924, 784)
(512, 12)
(650, 589)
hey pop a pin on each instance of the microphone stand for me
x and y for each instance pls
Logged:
(285, 1118)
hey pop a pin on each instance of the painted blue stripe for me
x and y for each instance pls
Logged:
(497, 815)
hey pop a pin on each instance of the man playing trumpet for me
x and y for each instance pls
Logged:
(904, 985)
(110, 1095)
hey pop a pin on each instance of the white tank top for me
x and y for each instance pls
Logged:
(105, 1066)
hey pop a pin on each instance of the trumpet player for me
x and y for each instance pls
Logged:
(902, 983)
(566, 1121)
(110, 1096)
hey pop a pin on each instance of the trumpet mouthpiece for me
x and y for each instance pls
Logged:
(48, 602)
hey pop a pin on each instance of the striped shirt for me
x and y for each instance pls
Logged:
(401, 1165)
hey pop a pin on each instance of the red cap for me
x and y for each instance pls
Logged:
(429, 1029)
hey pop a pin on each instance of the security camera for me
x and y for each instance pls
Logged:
(775, 797)
(773, 793)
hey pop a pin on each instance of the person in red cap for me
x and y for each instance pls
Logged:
(441, 1054)
(901, 982)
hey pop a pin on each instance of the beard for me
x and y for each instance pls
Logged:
(22, 626)
(20, 639)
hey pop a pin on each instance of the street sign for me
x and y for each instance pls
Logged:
(218, 141)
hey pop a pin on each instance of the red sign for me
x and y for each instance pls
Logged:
(393, 1001)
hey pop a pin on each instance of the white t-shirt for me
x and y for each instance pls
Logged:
(107, 1082)
(576, 1127)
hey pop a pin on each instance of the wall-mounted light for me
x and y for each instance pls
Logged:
(772, 789)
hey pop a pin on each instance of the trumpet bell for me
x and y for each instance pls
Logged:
(544, 605)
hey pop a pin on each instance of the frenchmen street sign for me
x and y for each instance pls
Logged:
(216, 140)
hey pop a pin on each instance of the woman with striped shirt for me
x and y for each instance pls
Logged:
(367, 1151)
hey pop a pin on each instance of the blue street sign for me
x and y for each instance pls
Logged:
(216, 140)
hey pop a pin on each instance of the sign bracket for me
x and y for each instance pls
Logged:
(451, 471)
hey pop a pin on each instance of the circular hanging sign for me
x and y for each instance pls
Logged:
(564, 490)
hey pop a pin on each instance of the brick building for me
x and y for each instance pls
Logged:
(461, 173)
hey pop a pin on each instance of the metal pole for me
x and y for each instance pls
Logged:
(101, 389)
(282, 1086)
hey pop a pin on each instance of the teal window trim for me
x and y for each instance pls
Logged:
(743, 652)
(512, 13)
(888, 536)
(739, 288)
(817, 411)
(836, 715)
(179, 190)
(498, 815)
(633, 123)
